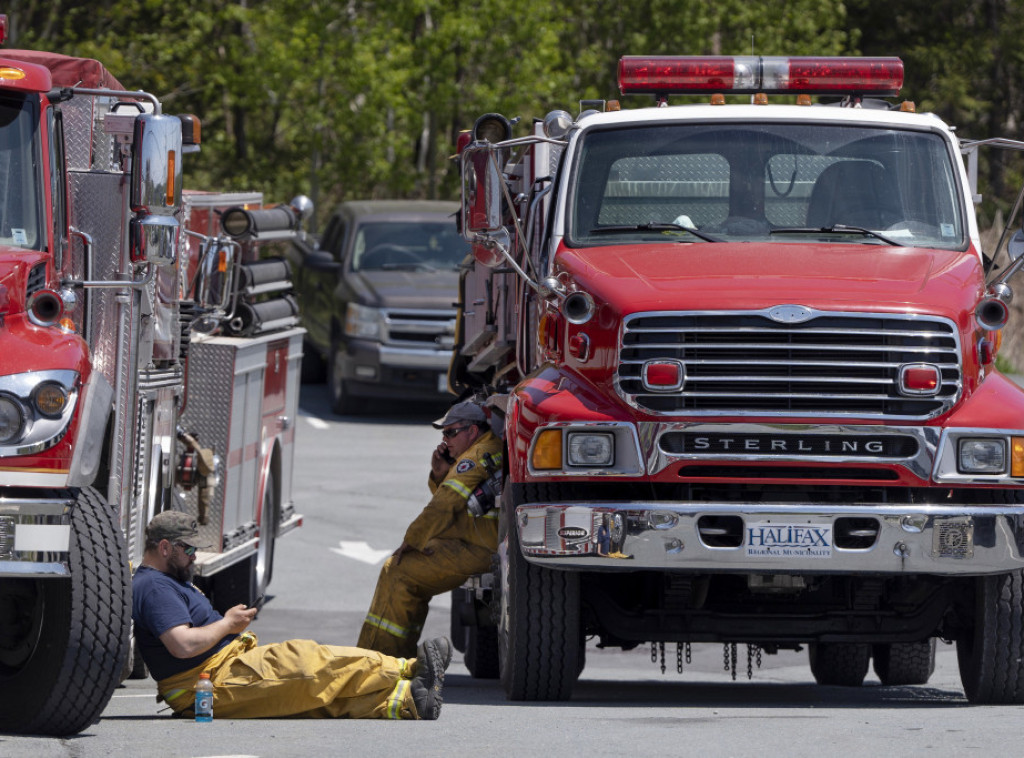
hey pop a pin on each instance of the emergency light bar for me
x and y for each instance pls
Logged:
(748, 74)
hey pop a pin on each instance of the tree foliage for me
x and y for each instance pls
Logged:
(360, 98)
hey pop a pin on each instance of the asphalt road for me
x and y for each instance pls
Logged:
(360, 480)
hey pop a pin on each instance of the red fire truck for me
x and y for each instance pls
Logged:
(150, 362)
(750, 352)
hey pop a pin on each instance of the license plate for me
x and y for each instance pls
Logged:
(770, 539)
(442, 382)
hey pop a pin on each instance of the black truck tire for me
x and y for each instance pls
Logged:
(75, 631)
(539, 631)
(991, 655)
(481, 655)
(844, 664)
(901, 663)
(478, 644)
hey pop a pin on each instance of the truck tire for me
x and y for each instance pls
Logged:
(62, 655)
(342, 402)
(539, 631)
(844, 664)
(900, 663)
(314, 369)
(991, 654)
(263, 564)
(481, 656)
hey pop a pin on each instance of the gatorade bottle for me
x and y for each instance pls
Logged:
(204, 698)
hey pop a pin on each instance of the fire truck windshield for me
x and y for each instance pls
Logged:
(780, 182)
(20, 172)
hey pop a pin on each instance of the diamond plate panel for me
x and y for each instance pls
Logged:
(212, 394)
(99, 208)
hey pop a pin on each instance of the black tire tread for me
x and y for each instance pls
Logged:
(842, 664)
(541, 662)
(903, 663)
(991, 658)
(94, 646)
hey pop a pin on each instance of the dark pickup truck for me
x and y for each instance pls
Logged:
(378, 300)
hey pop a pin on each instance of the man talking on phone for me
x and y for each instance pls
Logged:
(452, 539)
(181, 636)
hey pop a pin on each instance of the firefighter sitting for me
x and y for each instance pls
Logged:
(452, 539)
(180, 636)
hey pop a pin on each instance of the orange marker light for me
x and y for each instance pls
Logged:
(171, 158)
(547, 453)
(1017, 456)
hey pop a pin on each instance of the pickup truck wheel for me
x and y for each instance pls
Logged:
(342, 403)
(901, 663)
(64, 641)
(991, 654)
(539, 630)
(844, 664)
(314, 370)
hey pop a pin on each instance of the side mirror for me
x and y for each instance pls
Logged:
(1015, 247)
(153, 239)
(321, 260)
(482, 187)
(156, 165)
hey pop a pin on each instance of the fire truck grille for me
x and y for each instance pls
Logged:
(831, 364)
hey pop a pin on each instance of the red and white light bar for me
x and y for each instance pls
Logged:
(692, 75)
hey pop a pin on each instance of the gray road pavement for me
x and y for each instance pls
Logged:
(360, 480)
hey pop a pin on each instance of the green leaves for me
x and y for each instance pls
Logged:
(363, 98)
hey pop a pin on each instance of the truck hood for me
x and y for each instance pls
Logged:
(752, 276)
(436, 290)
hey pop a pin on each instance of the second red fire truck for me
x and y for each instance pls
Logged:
(749, 350)
(150, 361)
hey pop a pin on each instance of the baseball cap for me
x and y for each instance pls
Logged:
(174, 526)
(467, 410)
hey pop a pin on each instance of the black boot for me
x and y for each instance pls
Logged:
(432, 658)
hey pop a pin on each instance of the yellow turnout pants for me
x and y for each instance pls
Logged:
(297, 678)
(403, 593)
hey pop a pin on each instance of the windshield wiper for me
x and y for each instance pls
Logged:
(652, 226)
(836, 229)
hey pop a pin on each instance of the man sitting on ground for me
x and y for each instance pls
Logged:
(180, 636)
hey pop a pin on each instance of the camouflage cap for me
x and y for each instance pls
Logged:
(174, 526)
(467, 410)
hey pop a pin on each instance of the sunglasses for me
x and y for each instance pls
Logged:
(188, 550)
(449, 433)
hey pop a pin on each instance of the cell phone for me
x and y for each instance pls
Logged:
(448, 457)
(259, 602)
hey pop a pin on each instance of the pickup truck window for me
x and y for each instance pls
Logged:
(766, 182)
(408, 245)
(20, 174)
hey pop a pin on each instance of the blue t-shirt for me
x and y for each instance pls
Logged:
(160, 602)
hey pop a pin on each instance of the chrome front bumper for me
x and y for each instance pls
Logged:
(801, 538)
(35, 537)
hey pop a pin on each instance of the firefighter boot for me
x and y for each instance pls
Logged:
(432, 658)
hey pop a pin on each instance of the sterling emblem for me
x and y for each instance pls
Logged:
(790, 314)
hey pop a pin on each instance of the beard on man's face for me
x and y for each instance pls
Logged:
(183, 573)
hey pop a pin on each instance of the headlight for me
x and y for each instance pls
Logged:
(361, 321)
(982, 456)
(35, 409)
(590, 449)
(50, 399)
(12, 419)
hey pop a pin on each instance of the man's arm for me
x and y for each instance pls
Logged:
(184, 641)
